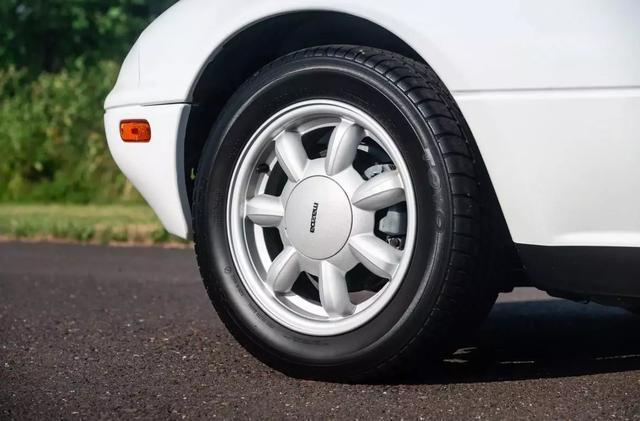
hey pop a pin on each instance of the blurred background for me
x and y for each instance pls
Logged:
(58, 61)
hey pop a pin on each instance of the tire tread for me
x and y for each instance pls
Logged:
(468, 291)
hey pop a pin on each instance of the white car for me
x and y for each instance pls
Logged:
(362, 178)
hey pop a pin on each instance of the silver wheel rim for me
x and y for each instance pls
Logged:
(327, 216)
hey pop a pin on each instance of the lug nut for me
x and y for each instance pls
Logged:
(394, 241)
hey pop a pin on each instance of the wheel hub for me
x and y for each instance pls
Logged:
(318, 217)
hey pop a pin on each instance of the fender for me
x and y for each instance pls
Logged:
(472, 47)
(551, 96)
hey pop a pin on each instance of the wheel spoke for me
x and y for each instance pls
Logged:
(334, 295)
(376, 255)
(343, 146)
(265, 210)
(284, 270)
(379, 192)
(291, 155)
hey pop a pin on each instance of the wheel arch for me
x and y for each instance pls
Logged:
(268, 39)
(230, 65)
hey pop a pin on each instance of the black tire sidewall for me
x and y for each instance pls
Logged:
(407, 314)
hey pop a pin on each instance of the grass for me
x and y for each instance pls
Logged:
(115, 223)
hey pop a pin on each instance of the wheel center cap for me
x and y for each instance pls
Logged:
(318, 217)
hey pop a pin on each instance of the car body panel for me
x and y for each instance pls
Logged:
(473, 46)
(563, 163)
(550, 92)
(155, 168)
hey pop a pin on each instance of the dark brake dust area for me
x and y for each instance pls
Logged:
(91, 332)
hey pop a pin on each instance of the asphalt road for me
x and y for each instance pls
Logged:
(121, 333)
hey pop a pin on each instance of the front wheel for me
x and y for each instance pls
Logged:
(340, 215)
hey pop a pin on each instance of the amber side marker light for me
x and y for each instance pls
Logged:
(135, 130)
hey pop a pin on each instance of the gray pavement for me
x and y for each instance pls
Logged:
(91, 332)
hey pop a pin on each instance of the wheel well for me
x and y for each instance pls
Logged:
(261, 43)
(257, 45)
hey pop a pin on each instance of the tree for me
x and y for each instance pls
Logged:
(46, 35)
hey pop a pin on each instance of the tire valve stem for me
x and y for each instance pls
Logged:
(262, 168)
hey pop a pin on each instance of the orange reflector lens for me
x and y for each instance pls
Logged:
(135, 130)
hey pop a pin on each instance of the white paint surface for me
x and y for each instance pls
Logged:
(551, 91)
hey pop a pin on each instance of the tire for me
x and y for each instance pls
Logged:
(450, 282)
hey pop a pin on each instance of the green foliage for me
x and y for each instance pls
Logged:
(108, 223)
(119, 236)
(58, 61)
(72, 230)
(52, 136)
(23, 229)
(47, 35)
(160, 235)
